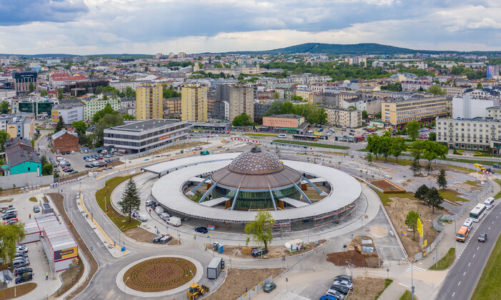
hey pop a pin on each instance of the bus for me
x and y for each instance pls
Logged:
(462, 234)
(477, 212)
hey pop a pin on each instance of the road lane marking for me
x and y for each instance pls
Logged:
(474, 255)
(478, 247)
(489, 228)
(459, 283)
(464, 273)
(453, 294)
(492, 222)
(469, 264)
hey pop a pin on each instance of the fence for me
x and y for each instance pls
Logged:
(255, 290)
(26, 179)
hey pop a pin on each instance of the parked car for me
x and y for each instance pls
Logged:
(164, 216)
(165, 239)
(482, 238)
(345, 283)
(21, 254)
(343, 277)
(329, 297)
(269, 287)
(201, 229)
(9, 215)
(24, 278)
(258, 252)
(157, 238)
(11, 221)
(340, 288)
(150, 202)
(21, 248)
(21, 271)
(36, 209)
(336, 294)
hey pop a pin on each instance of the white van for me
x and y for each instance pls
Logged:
(282, 135)
(174, 221)
(142, 217)
(489, 202)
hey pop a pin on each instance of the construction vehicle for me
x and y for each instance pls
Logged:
(195, 291)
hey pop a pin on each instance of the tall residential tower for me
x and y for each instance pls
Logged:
(149, 102)
(194, 103)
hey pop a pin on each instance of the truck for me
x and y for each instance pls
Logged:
(462, 234)
(174, 221)
(195, 290)
(214, 268)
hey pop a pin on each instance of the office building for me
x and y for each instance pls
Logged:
(92, 106)
(40, 107)
(398, 112)
(344, 117)
(494, 112)
(18, 126)
(24, 81)
(473, 105)
(69, 112)
(470, 134)
(140, 136)
(241, 101)
(149, 102)
(194, 104)
(284, 121)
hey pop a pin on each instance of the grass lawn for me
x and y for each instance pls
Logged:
(483, 162)
(401, 162)
(498, 195)
(445, 261)
(33, 199)
(387, 283)
(407, 296)
(472, 183)
(311, 144)
(261, 134)
(120, 221)
(451, 195)
(489, 284)
(385, 198)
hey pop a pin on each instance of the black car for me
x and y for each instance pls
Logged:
(89, 166)
(482, 238)
(24, 278)
(156, 239)
(258, 252)
(340, 288)
(9, 215)
(201, 229)
(21, 271)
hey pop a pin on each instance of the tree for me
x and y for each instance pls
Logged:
(130, 199)
(397, 146)
(107, 121)
(242, 120)
(47, 169)
(9, 236)
(434, 199)
(421, 192)
(4, 137)
(432, 136)
(480, 86)
(31, 88)
(416, 167)
(436, 90)
(442, 180)
(170, 92)
(413, 130)
(130, 92)
(100, 114)
(411, 221)
(60, 94)
(43, 93)
(59, 125)
(43, 160)
(369, 157)
(4, 107)
(260, 228)
(127, 117)
(365, 115)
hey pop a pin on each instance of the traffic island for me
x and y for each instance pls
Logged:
(159, 276)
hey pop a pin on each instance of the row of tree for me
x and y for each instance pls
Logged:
(312, 113)
(385, 146)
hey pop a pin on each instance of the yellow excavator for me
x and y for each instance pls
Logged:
(195, 291)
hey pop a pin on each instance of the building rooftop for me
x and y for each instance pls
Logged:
(286, 116)
(139, 126)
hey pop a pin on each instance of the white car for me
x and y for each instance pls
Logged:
(489, 202)
(468, 223)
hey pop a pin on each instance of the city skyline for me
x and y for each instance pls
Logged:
(129, 26)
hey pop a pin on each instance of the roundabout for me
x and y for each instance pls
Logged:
(159, 276)
(230, 189)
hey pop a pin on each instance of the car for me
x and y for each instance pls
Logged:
(165, 239)
(90, 166)
(21, 271)
(24, 278)
(156, 239)
(21, 254)
(150, 203)
(36, 209)
(482, 238)
(343, 277)
(489, 202)
(335, 293)
(340, 288)
(11, 221)
(328, 297)
(164, 216)
(345, 283)
(9, 215)
(21, 259)
(19, 263)
(468, 223)
(258, 252)
(21, 248)
(269, 287)
(201, 229)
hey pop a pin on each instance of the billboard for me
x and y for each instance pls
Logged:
(65, 253)
(55, 115)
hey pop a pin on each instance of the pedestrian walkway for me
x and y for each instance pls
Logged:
(393, 292)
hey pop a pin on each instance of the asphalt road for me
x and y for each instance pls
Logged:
(462, 278)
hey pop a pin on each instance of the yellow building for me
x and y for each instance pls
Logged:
(149, 102)
(12, 130)
(194, 104)
(398, 112)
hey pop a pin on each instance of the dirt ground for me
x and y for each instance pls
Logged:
(143, 235)
(239, 280)
(58, 202)
(354, 255)
(398, 209)
(69, 278)
(178, 147)
(273, 251)
(366, 288)
(21, 290)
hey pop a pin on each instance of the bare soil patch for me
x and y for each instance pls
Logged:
(273, 251)
(238, 281)
(82, 247)
(366, 288)
(355, 256)
(69, 278)
(21, 290)
(398, 209)
(159, 274)
(387, 186)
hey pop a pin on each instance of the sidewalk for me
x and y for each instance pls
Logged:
(393, 291)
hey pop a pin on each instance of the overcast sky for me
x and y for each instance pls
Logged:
(153, 26)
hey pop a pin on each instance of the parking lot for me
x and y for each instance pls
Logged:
(37, 258)
(78, 163)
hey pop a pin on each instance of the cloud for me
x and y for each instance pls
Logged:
(16, 12)
(151, 26)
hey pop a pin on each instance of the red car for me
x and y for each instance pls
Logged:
(11, 220)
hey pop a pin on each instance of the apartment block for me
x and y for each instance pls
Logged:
(417, 108)
(194, 104)
(241, 100)
(92, 106)
(149, 102)
(344, 117)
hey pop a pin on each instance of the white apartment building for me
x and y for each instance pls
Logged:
(92, 106)
(494, 112)
(344, 117)
(473, 105)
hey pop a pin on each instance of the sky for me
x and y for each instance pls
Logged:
(194, 26)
